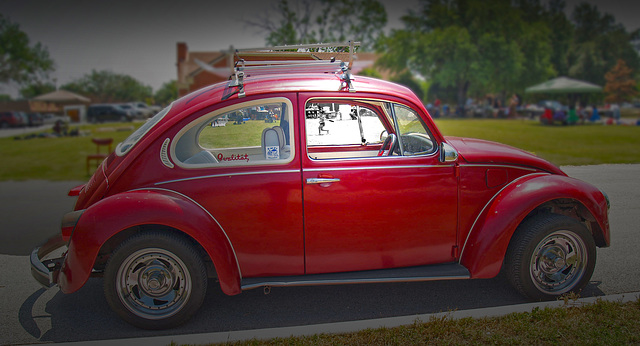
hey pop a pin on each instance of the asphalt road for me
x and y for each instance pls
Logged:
(30, 314)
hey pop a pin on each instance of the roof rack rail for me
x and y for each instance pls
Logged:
(241, 68)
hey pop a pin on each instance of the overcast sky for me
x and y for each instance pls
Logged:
(138, 37)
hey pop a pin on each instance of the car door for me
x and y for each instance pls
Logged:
(246, 174)
(363, 211)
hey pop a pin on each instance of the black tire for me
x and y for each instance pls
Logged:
(155, 280)
(550, 255)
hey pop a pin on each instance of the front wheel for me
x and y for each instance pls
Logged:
(550, 255)
(155, 280)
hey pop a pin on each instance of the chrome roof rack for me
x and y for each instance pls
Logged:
(242, 68)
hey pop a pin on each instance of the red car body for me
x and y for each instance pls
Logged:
(326, 214)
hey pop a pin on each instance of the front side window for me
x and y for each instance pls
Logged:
(255, 132)
(343, 129)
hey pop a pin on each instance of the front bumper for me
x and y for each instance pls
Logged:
(47, 260)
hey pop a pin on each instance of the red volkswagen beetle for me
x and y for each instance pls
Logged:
(312, 178)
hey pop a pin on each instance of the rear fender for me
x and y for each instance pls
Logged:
(486, 244)
(120, 212)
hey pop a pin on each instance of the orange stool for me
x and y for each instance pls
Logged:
(98, 157)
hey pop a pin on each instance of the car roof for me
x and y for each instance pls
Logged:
(278, 84)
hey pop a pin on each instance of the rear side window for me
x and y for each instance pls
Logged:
(128, 143)
(255, 132)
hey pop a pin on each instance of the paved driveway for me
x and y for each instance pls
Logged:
(20, 131)
(29, 314)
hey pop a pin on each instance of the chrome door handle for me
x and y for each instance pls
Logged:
(322, 180)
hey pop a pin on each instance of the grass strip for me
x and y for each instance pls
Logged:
(601, 323)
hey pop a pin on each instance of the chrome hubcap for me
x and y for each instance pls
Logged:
(153, 283)
(558, 262)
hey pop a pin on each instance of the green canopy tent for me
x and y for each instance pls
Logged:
(563, 85)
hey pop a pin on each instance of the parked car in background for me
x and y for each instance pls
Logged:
(35, 119)
(143, 109)
(134, 113)
(52, 118)
(13, 119)
(155, 108)
(301, 199)
(107, 112)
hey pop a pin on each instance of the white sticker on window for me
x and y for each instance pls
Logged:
(273, 153)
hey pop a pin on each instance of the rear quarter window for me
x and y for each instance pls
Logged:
(255, 132)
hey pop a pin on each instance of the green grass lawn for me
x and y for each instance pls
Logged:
(588, 144)
(64, 158)
(61, 158)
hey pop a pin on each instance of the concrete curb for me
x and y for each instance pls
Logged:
(350, 326)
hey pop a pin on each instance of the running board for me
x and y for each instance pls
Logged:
(449, 271)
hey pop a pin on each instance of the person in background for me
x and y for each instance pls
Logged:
(513, 106)
(595, 116)
(615, 109)
(572, 116)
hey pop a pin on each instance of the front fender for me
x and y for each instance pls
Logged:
(120, 212)
(486, 244)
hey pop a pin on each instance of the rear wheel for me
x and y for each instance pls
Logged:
(550, 255)
(155, 280)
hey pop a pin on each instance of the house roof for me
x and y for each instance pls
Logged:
(190, 68)
(62, 96)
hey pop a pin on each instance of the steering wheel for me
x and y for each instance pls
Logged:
(391, 142)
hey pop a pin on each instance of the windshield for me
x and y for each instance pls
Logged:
(128, 143)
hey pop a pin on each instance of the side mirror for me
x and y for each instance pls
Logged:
(448, 153)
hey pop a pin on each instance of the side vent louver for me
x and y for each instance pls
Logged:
(164, 153)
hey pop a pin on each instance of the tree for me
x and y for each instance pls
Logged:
(472, 45)
(20, 62)
(167, 93)
(309, 21)
(106, 86)
(561, 36)
(35, 89)
(620, 85)
(598, 45)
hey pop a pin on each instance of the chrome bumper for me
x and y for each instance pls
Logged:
(45, 269)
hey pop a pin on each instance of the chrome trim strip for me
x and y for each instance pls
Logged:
(394, 157)
(499, 166)
(374, 167)
(206, 211)
(227, 175)
(485, 207)
(346, 281)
